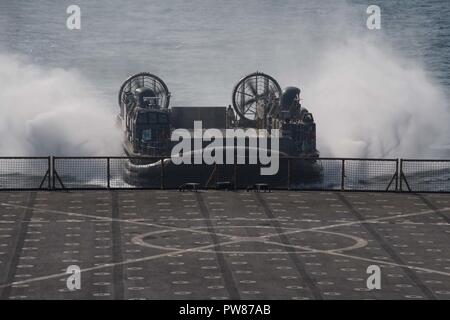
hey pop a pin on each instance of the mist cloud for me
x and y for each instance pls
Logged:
(52, 112)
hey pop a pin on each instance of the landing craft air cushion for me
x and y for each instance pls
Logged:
(260, 110)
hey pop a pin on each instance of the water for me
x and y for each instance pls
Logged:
(373, 93)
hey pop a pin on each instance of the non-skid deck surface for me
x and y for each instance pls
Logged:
(224, 245)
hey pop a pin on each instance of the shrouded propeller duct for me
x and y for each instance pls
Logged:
(148, 81)
(256, 93)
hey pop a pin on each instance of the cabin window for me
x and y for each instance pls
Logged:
(151, 101)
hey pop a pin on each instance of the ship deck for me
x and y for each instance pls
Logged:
(224, 245)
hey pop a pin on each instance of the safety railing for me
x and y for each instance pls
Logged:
(25, 173)
(294, 173)
(347, 174)
(108, 173)
(428, 175)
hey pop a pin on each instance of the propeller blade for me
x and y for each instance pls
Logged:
(253, 100)
(251, 106)
(253, 89)
(244, 93)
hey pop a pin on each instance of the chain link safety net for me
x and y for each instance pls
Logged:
(24, 173)
(425, 175)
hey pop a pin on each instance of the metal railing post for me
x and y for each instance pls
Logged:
(235, 174)
(397, 175)
(217, 172)
(53, 174)
(289, 173)
(50, 173)
(108, 172)
(343, 175)
(162, 173)
(401, 175)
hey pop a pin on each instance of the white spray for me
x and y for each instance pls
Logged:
(369, 102)
(52, 112)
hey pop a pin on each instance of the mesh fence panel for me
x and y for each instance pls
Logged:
(370, 175)
(135, 173)
(225, 174)
(81, 173)
(293, 173)
(426, 176)
(204, 175)
(316, 174)
(24, 173)
(247, 175)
